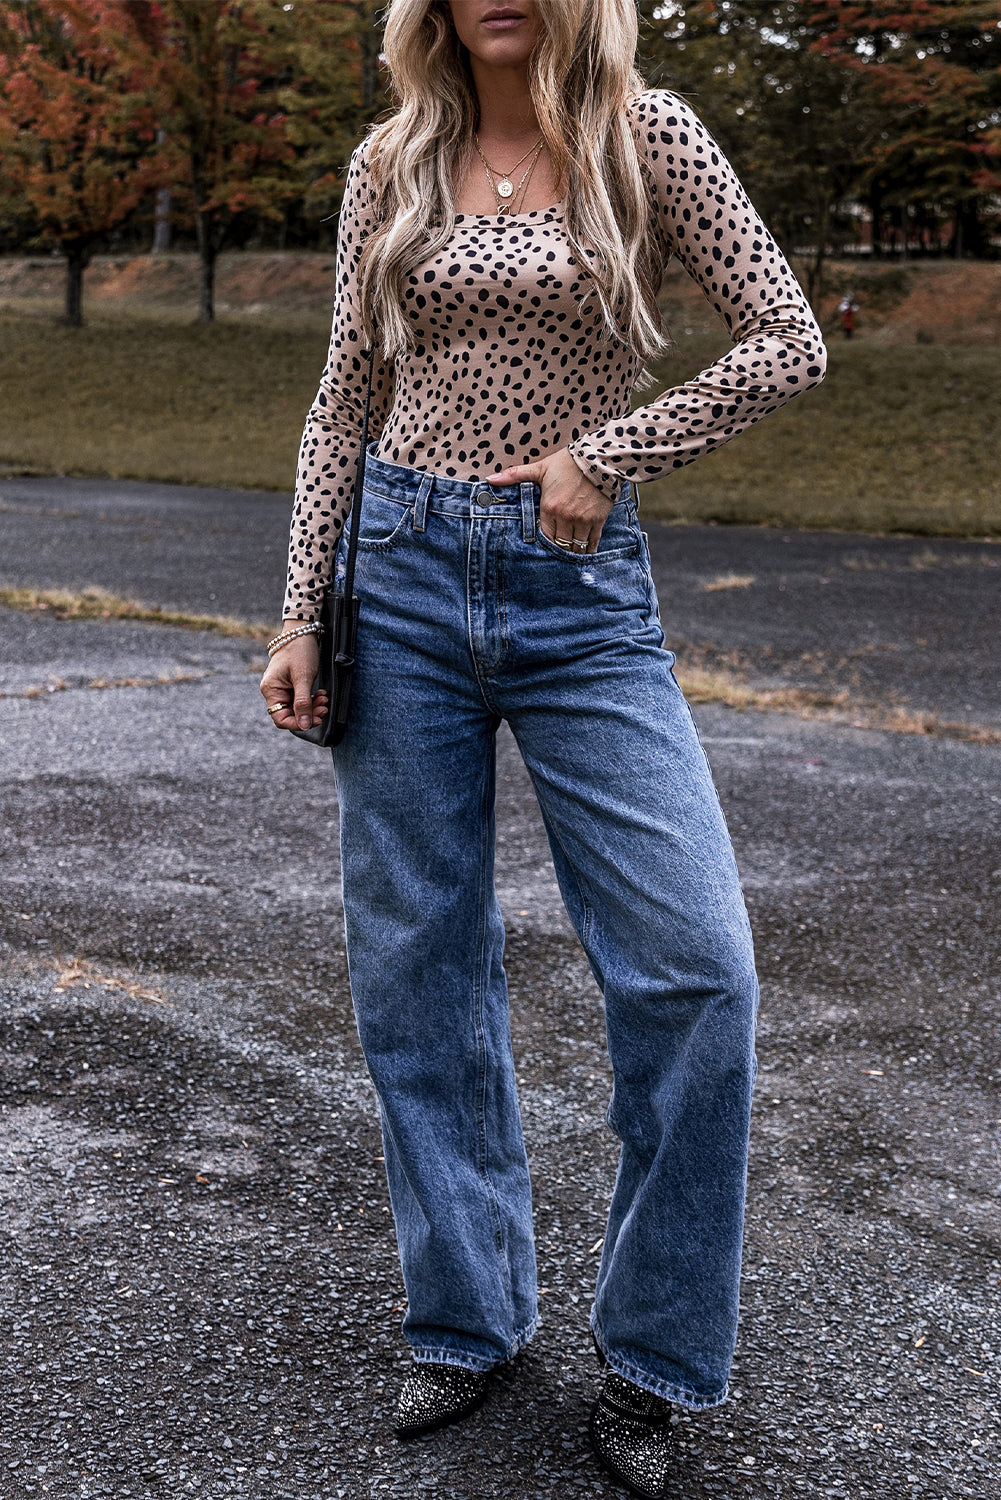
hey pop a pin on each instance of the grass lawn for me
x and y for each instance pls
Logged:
(157, 399)
(901, 438)
(897, 438)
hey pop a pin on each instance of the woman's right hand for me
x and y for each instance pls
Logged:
(288, 681)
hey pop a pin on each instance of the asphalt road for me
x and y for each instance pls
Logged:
(894, 620)
(199, 1285)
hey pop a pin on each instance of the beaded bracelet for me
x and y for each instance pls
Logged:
(312, 628)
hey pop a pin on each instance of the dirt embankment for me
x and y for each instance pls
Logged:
(899, 303)
(246, 283)
(925, 302)
(942, 302)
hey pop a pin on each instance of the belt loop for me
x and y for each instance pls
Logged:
(636, 494)
(527, 489)
(421, 503)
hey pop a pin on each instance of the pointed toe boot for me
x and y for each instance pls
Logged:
(434, 1395)
(631, 1434)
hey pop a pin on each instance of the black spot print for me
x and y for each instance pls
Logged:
(512, 359)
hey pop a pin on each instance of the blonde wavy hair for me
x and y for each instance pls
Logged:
(581, 75)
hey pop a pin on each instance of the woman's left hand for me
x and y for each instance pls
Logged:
(571, 509)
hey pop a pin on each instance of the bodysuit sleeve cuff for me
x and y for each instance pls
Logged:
(609, 484)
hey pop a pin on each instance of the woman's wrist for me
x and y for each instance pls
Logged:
(291, 632)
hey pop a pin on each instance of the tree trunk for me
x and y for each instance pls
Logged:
(815, 270)
(161, 222)
(970, 239)
(876, 213)
(878, 43)
(161, 228)
(207, 252)
(206, 287)
(77, 257)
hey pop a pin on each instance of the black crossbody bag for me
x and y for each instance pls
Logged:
(338, 636)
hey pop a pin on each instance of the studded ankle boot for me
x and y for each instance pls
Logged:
(631, 1435)
(434, 1395)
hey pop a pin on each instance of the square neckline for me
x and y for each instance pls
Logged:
(533, 213)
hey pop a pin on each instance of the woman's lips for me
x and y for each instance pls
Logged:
(503, 23)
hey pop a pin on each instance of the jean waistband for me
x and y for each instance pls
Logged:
(458, 497)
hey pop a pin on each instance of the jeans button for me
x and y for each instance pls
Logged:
(484, 496)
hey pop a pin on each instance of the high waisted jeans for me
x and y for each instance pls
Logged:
(469, 615)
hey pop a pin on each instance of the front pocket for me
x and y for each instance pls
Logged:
(383, 523)
(625, 543)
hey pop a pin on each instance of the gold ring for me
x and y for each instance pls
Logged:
(276, 706)
(561, 541)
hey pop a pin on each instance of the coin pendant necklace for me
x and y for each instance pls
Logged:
(505, 188)
(522, 193)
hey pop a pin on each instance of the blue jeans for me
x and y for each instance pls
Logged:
(469, 615)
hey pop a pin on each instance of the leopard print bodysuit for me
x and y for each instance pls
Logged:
(508, 366)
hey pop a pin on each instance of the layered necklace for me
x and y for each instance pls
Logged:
(504, 189)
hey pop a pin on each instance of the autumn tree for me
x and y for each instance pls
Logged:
(936, 66)
(797, 129)
(76, 126)
(217, 67)
(335, 90)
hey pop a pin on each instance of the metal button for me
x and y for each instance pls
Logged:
(484, 497)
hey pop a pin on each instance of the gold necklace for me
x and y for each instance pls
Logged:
(522, 193)
(505, 187)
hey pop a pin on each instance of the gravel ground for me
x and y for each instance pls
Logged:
(892, 619)
(199, 1286)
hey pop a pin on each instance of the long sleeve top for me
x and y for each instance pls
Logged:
(508, 366)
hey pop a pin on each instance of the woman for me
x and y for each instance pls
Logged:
(505, 232)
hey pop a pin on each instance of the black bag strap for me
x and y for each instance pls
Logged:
(349, 569)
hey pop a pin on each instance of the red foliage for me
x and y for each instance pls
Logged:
(213, 66)
(936, 64)
(77, 124)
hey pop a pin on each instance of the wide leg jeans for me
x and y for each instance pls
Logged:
(470, 616)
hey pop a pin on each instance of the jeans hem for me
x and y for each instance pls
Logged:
(666, 1389)
(465, 1359)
